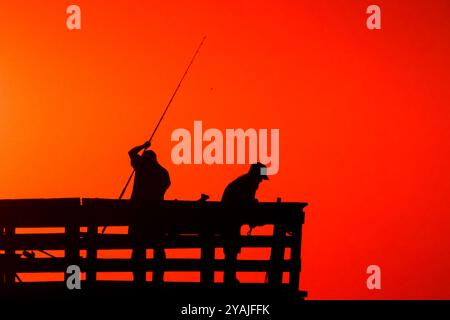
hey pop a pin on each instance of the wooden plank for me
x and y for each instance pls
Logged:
(60, 212)
(36, 241)
(121, 241)
(23, 213)
(189, 241)
(191, 213)
(117, 265)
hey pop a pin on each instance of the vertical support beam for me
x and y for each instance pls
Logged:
(2, 256)
(91, 255)
(72, 251)
(207, 257)
(10, 256)
(275, 274)
(295, 260)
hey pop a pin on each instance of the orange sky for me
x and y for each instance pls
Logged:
(363, 116)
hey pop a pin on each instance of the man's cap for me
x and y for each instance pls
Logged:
(259, 169)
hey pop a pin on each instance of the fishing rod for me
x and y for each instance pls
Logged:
(162, 117)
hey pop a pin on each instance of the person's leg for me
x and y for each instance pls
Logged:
(138, 265)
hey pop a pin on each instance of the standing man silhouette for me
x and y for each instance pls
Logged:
(150, 184)
(238, 195)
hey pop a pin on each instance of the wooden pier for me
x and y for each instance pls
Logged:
(188, 224)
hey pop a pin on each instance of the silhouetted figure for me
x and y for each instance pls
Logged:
(239, 193)
(151, 180)
(150, 184)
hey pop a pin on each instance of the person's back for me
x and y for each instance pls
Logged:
(151, 180)
(150, 183)
(241, 191)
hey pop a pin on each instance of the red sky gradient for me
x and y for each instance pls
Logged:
(364, 117)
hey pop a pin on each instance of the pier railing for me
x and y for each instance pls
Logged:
(187, 224)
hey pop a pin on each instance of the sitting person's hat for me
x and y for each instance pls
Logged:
(259, 169)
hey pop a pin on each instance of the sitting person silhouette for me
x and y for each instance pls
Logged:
(240, 192)
(150, 184)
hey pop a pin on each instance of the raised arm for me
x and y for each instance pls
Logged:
(134, 153)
